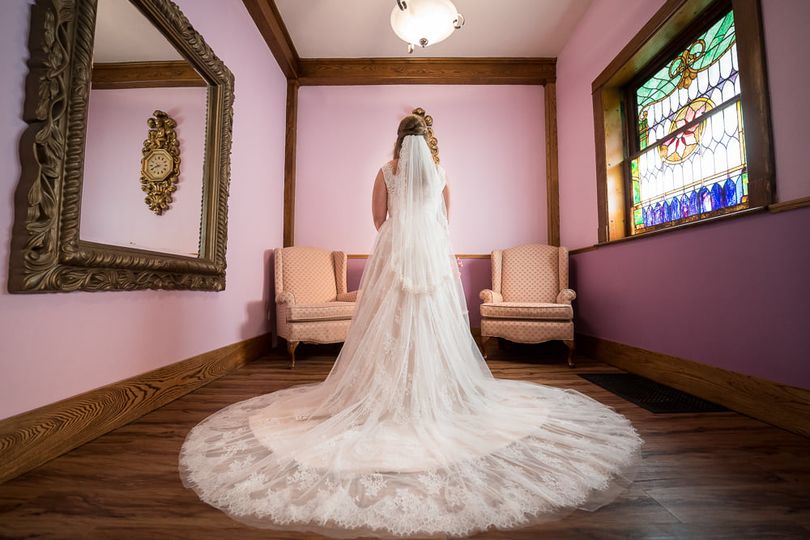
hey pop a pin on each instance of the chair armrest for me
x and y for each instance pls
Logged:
(489, 296)
(350, 296)
(285, 297)
(566, 296)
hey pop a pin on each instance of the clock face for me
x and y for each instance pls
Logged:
(158, 165)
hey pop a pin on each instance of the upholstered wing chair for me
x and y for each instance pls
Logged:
(312, 304)
(530, 301)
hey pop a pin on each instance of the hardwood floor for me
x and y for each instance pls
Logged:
(715, 475)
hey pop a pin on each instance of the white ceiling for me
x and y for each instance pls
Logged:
(123, 34)
(361, 28)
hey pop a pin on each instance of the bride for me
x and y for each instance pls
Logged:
(410, 434)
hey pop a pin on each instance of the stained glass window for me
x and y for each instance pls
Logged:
(691, 160)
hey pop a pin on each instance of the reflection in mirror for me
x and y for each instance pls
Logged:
(143, 169)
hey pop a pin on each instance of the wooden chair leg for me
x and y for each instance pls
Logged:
(291, 345)
(570, 344)
(484, 340)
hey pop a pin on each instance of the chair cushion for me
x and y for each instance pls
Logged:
(309, 273)
(530, 273)
(325, 311)
(527, 310)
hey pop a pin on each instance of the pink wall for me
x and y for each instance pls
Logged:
(58, 345)
(113, 208)
(593, 44)
(787, 45)
(732, 294)
(491, 142)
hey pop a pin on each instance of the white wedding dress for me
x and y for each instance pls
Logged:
(410, 434)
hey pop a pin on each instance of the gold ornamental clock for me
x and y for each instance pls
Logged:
(160, 165)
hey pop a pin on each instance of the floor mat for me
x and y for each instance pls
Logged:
(654, 397)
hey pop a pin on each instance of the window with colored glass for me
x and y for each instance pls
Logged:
(688, 159)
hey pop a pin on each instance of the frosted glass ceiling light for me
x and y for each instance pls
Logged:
(425, 22)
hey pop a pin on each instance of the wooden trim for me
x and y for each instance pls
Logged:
(290, 141)
(267, 18)
(368, 71)
(681, 227)
(669, 21)
(774, 208)
(459, 255)
(784, 406)
(602, 211)
(372, 71)
(610, 171)
(583, 249)
(113, 75)
(756, 109)
(552, 169)
(792, 204)
(32, 438)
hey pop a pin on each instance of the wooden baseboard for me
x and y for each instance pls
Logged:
(32, 438)
(787, 407)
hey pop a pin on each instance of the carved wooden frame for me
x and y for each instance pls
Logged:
(47, 254)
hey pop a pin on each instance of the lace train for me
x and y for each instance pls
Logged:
(410, 434)
(581, 456)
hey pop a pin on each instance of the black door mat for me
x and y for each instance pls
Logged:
(656, 398)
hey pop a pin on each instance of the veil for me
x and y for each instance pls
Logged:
(421, 254)
(409, 434)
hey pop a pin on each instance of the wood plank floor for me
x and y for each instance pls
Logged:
(716, 475)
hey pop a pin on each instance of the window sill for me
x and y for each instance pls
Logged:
(774, 208)
(681, 227)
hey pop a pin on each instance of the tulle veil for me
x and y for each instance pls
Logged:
(410, 435)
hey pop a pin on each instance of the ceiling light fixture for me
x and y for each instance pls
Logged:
(425, 22)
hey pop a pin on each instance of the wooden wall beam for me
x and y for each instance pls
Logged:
(552, 169)
(32, 438)
(112, 75)
(291, 136)
(372, 71)
(366, 71)
(267, 18)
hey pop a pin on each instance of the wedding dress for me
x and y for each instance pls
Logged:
(410, 434)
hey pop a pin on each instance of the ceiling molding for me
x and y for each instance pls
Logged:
(167, 74)
(368, 71)
(361, 29)
(267, 18)
(365, 71)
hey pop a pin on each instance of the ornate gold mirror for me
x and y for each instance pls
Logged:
(126, 160)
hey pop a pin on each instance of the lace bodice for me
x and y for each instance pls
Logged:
(395, 184)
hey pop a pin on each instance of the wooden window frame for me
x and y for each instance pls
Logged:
(671, 28)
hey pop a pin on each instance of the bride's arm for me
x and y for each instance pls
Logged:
(379, 201)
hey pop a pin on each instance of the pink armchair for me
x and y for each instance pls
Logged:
(530, 301)
(312, 304)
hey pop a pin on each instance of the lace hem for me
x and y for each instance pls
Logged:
(543, 476)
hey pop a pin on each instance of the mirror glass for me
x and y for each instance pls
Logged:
(145, 144)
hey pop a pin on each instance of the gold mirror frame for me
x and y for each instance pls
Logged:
(47, 254)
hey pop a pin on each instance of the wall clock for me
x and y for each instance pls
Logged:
(160, 164)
